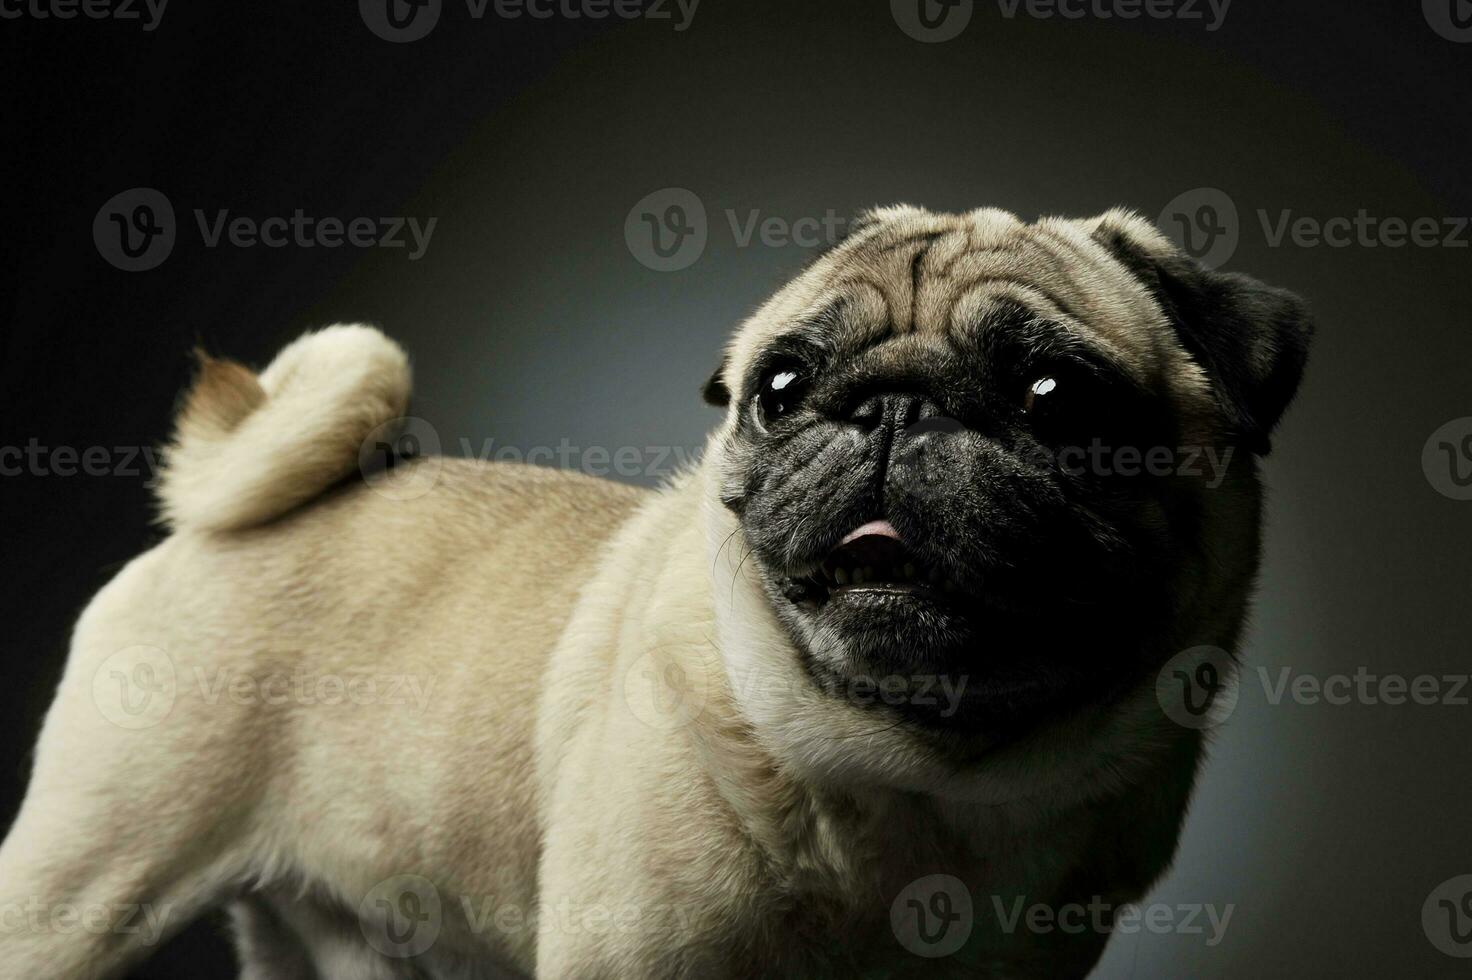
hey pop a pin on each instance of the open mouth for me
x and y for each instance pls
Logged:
(873, 560)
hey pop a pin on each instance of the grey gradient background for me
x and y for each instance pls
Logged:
(532, 324)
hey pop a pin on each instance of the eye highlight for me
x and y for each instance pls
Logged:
(782, 390)
(1064, 405)
(1038, 394)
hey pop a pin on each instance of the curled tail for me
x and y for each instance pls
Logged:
(250, 447)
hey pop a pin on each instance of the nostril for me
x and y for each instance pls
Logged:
(870, 412)
(934, 423)
(903, 410)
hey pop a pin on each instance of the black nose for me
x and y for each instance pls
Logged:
(895, 410)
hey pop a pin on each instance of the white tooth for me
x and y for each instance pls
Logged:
(840, 576)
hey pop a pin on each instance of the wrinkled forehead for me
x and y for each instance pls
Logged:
(911, 272)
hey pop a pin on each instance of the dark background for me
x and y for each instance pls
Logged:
(531, 322)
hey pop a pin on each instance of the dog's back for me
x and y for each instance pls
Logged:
(245, 705)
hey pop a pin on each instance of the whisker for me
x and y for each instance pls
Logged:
(722, 548)
(877, 731)
(734, 577)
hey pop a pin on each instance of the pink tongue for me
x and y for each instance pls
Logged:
(882, 529)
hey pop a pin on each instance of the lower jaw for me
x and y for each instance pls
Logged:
(884, 631)
(944, 599)
(939, 667)
(947, 698)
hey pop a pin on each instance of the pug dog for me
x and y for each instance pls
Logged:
(883, 666)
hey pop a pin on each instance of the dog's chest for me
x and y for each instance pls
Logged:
(908, 890)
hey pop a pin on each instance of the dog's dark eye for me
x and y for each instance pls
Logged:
(1065, 406)
(1075, 408)
(1043, 400)
(781, 391)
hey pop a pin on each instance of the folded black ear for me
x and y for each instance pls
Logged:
(715, 391)
(1251, 339)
